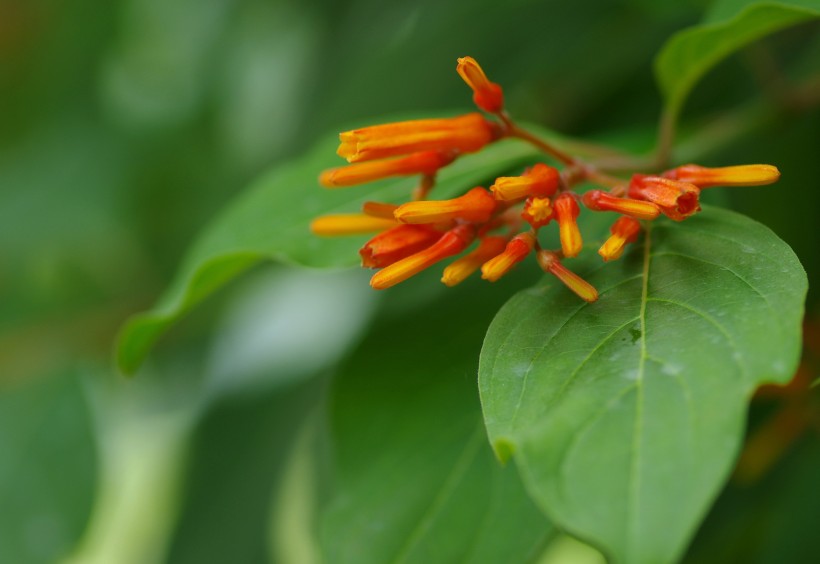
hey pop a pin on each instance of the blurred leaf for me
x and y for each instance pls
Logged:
(237, 455)
(772, 521)
(691, 53)
(625, 415)
(417, 481)
(47, 469)
(282, 324)
(271, 220)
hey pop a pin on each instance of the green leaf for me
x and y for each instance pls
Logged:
(691, 53)
(417, 481)
(47, 469)
(270, 221)
(625, 415)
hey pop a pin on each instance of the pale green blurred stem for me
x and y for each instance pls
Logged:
(567, 550)
(294, 507)
(142, 458)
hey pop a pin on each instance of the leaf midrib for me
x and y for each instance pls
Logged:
(634, 481)
(468, 454)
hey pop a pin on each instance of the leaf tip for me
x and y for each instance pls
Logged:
(504, 450)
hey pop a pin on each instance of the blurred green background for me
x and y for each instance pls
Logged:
(126, 125)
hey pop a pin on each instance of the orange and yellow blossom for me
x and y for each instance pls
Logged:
(516, 250)
(625, 230)
(349, 224)
(549, 262)
(541, 180)
(457, 272)
(427, 162)
(677, 200)
(477, 205)
(598, 200)
(451, 243)
(397, 243)
(538, 212)
(463, 134)
(566, 213)
(486, 95)
(740, 175)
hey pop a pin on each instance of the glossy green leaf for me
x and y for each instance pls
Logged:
(416, 479)
(270, 221)
(691, 53)
(625, 415)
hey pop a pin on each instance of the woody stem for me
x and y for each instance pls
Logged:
(590, 172)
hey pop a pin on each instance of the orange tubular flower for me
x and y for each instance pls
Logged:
(486, 95)
(598, 200)
(457, 272)
(476, 205)
(349, 224)
(451, 243)
(464, 134)
(516, 250)
(548, 261)
(566, 212)
(397, 243)
(677, 200)
(541, 180)
(742, 175)
(625, 230)
(538, 212)
(427, 162)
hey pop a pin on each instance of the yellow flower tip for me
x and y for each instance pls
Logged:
(566, 212)
(597, 200)
(427, 162)
(349, 224)
(549, 262)
(477, 205)
(327, 178)
(515, 251)
(461, 269)
(346, 150)
(538, 212)
(448, 136)
(625, 230)
(540, 181)
(486, 95)
(676, 199)
(740, 175)
(451, 243)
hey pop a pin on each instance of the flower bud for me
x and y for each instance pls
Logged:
(549, 262)
(349, 224)
(427, 162)
(476, 205)
(597, 200)
(486, 95)
(457, 272)
(566, 212)
(463, 134)
(741, 175)
(397, 243)
(625, 230)
(541, 180)
(451, 243)
(516, 250)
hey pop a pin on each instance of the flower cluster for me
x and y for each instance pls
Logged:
(505, 219)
